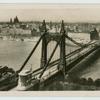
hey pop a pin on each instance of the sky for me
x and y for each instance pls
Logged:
(38, 12)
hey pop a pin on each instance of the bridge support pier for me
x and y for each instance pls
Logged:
(44, 52)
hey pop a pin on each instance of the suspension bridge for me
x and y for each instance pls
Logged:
(50, 70)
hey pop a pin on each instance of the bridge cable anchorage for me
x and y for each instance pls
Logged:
(79, 44)
(30, 54)
(52, 54)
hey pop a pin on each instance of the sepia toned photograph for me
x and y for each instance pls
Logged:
(49, 47)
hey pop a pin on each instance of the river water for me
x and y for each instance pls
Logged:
(14, 53)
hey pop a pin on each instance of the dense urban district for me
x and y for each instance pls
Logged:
(15, 28)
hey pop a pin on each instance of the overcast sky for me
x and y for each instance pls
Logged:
(69, 13)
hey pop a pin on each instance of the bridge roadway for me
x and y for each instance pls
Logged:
(71, 59)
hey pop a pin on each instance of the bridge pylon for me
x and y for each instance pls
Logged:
(44, 45)
(63, 49)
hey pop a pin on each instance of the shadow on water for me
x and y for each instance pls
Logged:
(86, 63)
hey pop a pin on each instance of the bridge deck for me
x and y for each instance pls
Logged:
(72, 57)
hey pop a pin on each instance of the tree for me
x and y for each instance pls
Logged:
(83, 81)
(90, 81)
(97, 82)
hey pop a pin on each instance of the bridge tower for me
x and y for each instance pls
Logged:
(63, 49)
(44, 45)
(45, 39)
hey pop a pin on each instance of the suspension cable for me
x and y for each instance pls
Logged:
(73, 40)
(30, 54)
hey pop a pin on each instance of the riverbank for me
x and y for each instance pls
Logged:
(79, 37)
(26, 39)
